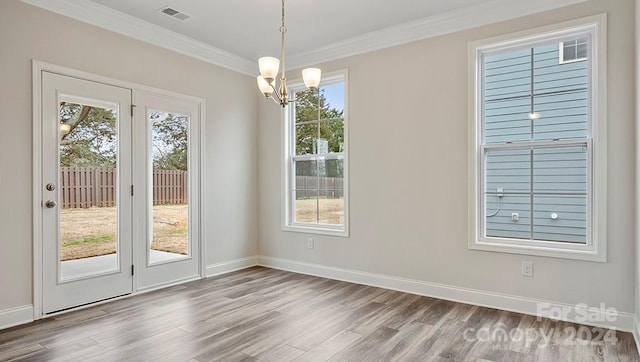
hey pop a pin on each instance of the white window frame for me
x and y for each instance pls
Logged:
(561, 54)
(288, 153)
(595, 247)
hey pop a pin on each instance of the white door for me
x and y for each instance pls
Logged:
(85, 191)
(167, 198)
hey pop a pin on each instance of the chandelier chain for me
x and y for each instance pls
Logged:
(283, 28)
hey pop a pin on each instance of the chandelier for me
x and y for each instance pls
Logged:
(269, 67)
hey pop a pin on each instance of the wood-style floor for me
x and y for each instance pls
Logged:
(271, 315)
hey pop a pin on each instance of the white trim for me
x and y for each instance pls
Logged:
(230, 266)
(201, 191)
(118, 22)
(595, 248)
(36, 70)
(636, 332)
(487, 12)
(512, 303)
(288, 144)
(16, 316)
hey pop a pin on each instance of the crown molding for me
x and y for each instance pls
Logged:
(121, 23)
(488, 12)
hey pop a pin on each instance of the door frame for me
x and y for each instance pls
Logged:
(37, 68)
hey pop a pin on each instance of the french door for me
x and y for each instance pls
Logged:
(119, 190)
(85, 192)
(167, 171)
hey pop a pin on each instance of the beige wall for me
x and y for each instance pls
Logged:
(408, 169)
(28, 33)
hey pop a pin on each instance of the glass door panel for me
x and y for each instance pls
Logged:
(169, 232)
(88, 149)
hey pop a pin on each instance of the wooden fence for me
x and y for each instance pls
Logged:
(82, 187)
(324, 187)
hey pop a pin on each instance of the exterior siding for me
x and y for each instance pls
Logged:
(517, 83)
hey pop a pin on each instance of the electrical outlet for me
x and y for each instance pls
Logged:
(515, 216)
(500, 192)
(527, 269)
(310, 243)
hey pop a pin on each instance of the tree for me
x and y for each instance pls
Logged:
(325, 123)
(170, 137)
(91, 139)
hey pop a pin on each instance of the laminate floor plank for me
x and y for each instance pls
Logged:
(330, 347)
(262, 314)
(284, 353)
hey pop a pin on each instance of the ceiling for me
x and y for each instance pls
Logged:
(249, 28)
(234, 33)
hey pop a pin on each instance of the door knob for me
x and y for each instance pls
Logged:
(50, 204)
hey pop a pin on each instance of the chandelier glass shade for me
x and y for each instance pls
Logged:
(271, 66)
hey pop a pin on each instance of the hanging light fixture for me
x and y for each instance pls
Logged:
(269, 67)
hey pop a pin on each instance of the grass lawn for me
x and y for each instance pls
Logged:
(330, 211)
(92, 232)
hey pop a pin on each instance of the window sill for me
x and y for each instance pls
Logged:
(319, 230)
(586, 253)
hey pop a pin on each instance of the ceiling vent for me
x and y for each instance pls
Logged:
(174, 13)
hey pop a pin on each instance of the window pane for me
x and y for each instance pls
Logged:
(509, 170)
(306, 138)
(507, 75)
(507, 121)
(569, 52)
(306, 206)
(334, 95)
(508, 216)
(561, 170)
(305, 191)
(331, 137)
(561, 116)
(306, 106)
(582, 50)
(552, 76)
(560, 218)
(331, 192)
(88, 146)
(170, 155)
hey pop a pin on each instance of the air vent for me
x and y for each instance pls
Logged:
(174, 13)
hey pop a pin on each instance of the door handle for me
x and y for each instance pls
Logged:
(50, 204)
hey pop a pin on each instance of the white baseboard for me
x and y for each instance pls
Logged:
(623, 321)
(230, 266)
(16, 316)
(636, 331)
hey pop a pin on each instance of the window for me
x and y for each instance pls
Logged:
(573, 50)
(316, 172)
(538, 158)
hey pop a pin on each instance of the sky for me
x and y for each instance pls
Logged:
(334, 94)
